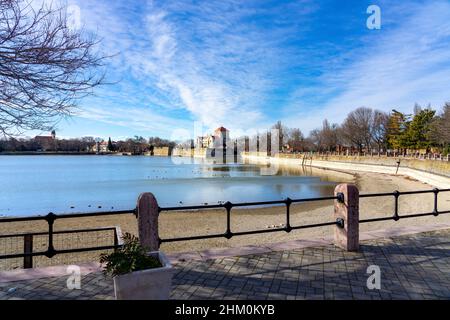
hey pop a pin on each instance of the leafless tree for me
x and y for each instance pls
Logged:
(326, 138)
(357, 126)
(440, 128)
(316, 138)
(295, 140)
(283, 132)
(263, 142)
(45, 66)
(445, 123)
(379, 128)
(330, 135)
(295, 135)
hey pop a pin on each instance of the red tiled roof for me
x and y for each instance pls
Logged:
(221, 129)
(44, 138)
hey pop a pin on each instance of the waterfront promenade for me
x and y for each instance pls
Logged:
(412, 265)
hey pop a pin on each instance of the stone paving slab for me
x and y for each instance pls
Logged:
(299, 243)
(415, 266)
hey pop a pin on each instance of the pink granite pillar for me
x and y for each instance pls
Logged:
(147, 215)
(346, 207)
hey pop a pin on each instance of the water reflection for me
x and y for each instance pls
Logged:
(39, 184)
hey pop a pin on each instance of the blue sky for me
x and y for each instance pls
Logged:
(247, 64)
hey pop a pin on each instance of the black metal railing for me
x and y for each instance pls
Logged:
(396, 194)
(29, 240)
(228, 233)
(50, 252)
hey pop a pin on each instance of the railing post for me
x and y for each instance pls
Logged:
(288, 227)
(346, 209)
(147, 215)
(435, 209)
(228, 205)
(50, 218)
(28, 250)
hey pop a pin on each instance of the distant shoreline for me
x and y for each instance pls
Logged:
(43, 153)
(210, 221)
(65, 153)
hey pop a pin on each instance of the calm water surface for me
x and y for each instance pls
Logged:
(32, 185)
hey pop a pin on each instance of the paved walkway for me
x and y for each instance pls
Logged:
(412, 267)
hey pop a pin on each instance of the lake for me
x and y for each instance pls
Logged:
(34, 185)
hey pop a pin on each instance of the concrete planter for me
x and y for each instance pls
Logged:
(150, 284)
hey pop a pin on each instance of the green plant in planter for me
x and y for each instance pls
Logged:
(130, 257)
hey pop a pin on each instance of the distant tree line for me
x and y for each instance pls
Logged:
(366, 129)
(139, 144)
(363, 130)
(31, 145)
(136, 145)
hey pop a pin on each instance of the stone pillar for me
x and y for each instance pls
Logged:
(147, 215)
(347, 237)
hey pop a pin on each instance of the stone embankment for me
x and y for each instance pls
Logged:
(433, 172)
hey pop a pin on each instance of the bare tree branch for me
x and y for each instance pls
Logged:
(45, 67)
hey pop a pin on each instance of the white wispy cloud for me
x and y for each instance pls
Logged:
(397, 67)
(197, 58)
(225, 62)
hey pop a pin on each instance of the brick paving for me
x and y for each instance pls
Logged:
(412, 267)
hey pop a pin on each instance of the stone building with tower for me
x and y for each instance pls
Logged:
(217, 146)
(216, 140)
(46, 143)
(222, 137)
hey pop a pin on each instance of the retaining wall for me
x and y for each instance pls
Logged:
(433, 172)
